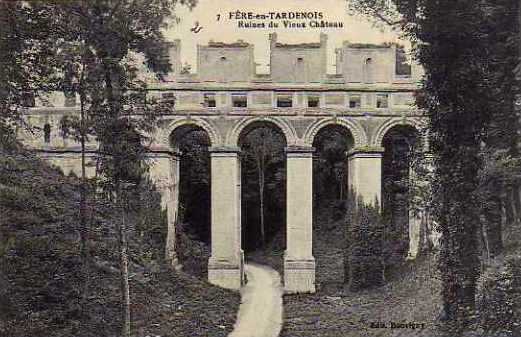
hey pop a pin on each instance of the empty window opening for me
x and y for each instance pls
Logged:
(168, 97)
(70, 98)
(368, 71)
(284, 100)
(209, 100)
(239, 100)
(355, 101)
(313, 101)
(403, 64)
(223, 58)
(47, 133)
(382, 101)
(300, 59)
(28, 99)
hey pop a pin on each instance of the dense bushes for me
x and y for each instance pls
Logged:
(192, 253)
(364, 265)
(499, 299)
(42, 273)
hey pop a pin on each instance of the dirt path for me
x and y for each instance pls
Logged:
(260, 312)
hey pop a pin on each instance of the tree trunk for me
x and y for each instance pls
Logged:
(516, 194)
(123, 254)
(83, 189)
(261, 164)
(509, 208)
(113, 96)
(493, 226)
(261, 197)
(83, 230)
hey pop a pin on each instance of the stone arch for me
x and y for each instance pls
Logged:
(232, 139)
(378, 137)
(166, 131)
(356, 130)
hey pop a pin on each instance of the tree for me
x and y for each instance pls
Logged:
(26, 53)
(262, 154)
(501, 139)
(363, 258)
(330, 163)
(102, 37)
(195, 182)
(452, 40)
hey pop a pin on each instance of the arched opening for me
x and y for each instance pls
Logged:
(330, 192)
(263, 192)
(400, 144)
(193, 227)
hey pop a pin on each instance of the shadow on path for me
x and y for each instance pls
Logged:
(260, 312)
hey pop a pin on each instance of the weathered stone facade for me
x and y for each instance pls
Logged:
(298, 97)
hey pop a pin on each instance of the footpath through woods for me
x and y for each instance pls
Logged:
(260, 312)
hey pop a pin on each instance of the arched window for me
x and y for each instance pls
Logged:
(47, 133)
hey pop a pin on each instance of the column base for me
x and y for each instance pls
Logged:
(226, 274)
(299, 275)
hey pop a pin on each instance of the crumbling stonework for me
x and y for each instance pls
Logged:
(226, 96)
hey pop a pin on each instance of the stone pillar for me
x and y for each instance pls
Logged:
(164, 172)
(226, 264)
(299, 263)
(365, 174)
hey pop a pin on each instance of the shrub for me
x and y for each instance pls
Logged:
(363, 255)
(499, 299)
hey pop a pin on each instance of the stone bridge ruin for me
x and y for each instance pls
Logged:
(367, 96)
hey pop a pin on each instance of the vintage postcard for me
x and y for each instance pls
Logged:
(260, 168)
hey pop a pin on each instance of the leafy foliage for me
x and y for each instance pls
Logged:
(263, 183)
(40, 266)
(194, 190)
(330, 171)
(499, 299)
(26, 51)
(469, 51)
(364, 259)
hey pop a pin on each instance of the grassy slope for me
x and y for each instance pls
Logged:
(332, 311)
(40, 276)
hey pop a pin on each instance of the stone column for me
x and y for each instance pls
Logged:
(299, 263)
(226, 264)
(164, 172)
(365, 174)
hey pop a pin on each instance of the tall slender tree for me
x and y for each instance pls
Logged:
(263, 155)
(100, 41)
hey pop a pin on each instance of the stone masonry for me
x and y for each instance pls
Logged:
(365, 96)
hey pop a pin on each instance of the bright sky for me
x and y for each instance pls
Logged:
(356, 29)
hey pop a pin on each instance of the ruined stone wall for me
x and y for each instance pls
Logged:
(225, 63)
